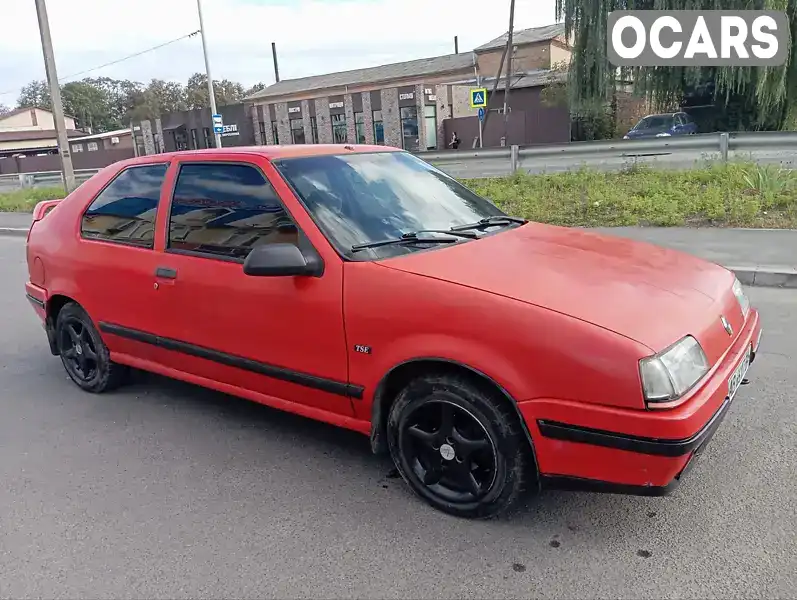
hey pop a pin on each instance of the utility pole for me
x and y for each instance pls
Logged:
(207, 68)
(67, 171)
(508, 67)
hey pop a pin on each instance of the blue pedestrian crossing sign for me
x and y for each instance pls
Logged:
(478, 98)
(481, 114)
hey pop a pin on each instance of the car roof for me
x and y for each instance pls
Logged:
(268, 152)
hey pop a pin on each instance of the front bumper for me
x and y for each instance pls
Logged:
(643, 452)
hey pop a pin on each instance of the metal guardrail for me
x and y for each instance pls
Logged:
(678, 152)
(18, 181)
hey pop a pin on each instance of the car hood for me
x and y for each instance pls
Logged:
(644, 292)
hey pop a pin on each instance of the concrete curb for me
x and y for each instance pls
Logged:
(757, 276)
(16, 231)
(761, 276)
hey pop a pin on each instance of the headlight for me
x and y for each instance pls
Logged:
(625, 137)
(670, 374)
(744, 302)
(662, 135)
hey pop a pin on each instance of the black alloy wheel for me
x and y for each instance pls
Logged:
(459, 448)
(83, 353)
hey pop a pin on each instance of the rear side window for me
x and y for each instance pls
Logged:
(225, 210)
(124, 212)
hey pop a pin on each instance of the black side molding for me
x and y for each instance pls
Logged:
(35, 301)
(642, 445)
(312, 381)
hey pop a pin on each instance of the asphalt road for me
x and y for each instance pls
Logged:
(164, 490)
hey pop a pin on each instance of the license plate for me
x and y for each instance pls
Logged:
(738, 375)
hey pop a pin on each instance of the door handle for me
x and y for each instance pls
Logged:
(166, 273)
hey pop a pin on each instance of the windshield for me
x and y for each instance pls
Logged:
(368, 197)
(655, 122)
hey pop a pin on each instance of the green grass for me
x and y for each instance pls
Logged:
(25, 200)
(732, 195)
(721, 195)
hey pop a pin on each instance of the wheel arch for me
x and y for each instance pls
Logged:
(54, 305)
(399, 375)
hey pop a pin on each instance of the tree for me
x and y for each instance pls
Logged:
(4, 110)
(90, 106)
(160, 97)
(34, 94)
(105, 104)
(226, 91)
(259, 86)
(767, 95)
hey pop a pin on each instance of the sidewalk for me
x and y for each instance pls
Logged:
(764, 257)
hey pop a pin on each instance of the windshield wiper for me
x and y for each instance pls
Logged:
(489, 222)
(414, 237)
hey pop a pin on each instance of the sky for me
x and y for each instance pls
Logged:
(312, 36)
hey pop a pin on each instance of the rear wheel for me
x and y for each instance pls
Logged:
(83, 353)
(460, 449)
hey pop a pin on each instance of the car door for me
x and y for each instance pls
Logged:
(279, 336)
(118, 258)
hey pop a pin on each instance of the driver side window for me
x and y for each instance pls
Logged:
(224, 210)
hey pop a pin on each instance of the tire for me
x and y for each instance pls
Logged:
(479, 467)
(84, 355)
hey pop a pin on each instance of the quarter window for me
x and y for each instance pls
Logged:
(125, 210)
(225, 210)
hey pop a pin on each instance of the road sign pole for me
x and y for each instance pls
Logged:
(478, 99)
(211, 94)
(67, 171)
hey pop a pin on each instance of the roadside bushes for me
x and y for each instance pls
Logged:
(733, 194)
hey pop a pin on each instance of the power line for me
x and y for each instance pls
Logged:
(114, 62)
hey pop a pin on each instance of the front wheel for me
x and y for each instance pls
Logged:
(460, 449)
(83, 353)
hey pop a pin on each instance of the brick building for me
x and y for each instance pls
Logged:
(405, 104)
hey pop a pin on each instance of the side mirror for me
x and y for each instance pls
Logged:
(282, 260)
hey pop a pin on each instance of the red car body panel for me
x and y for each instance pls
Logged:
(557, 318)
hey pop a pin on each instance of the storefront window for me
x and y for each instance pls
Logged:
(263, 138)
(430, 125)
(314, 129)
(339, 133)
(297, 131)
(379, 130)
(274, 132)
(206, 136)
(409, 128)
(359, 124)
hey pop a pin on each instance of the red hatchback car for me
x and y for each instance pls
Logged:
(360, 286)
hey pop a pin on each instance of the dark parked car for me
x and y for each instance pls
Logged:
(664, 125)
